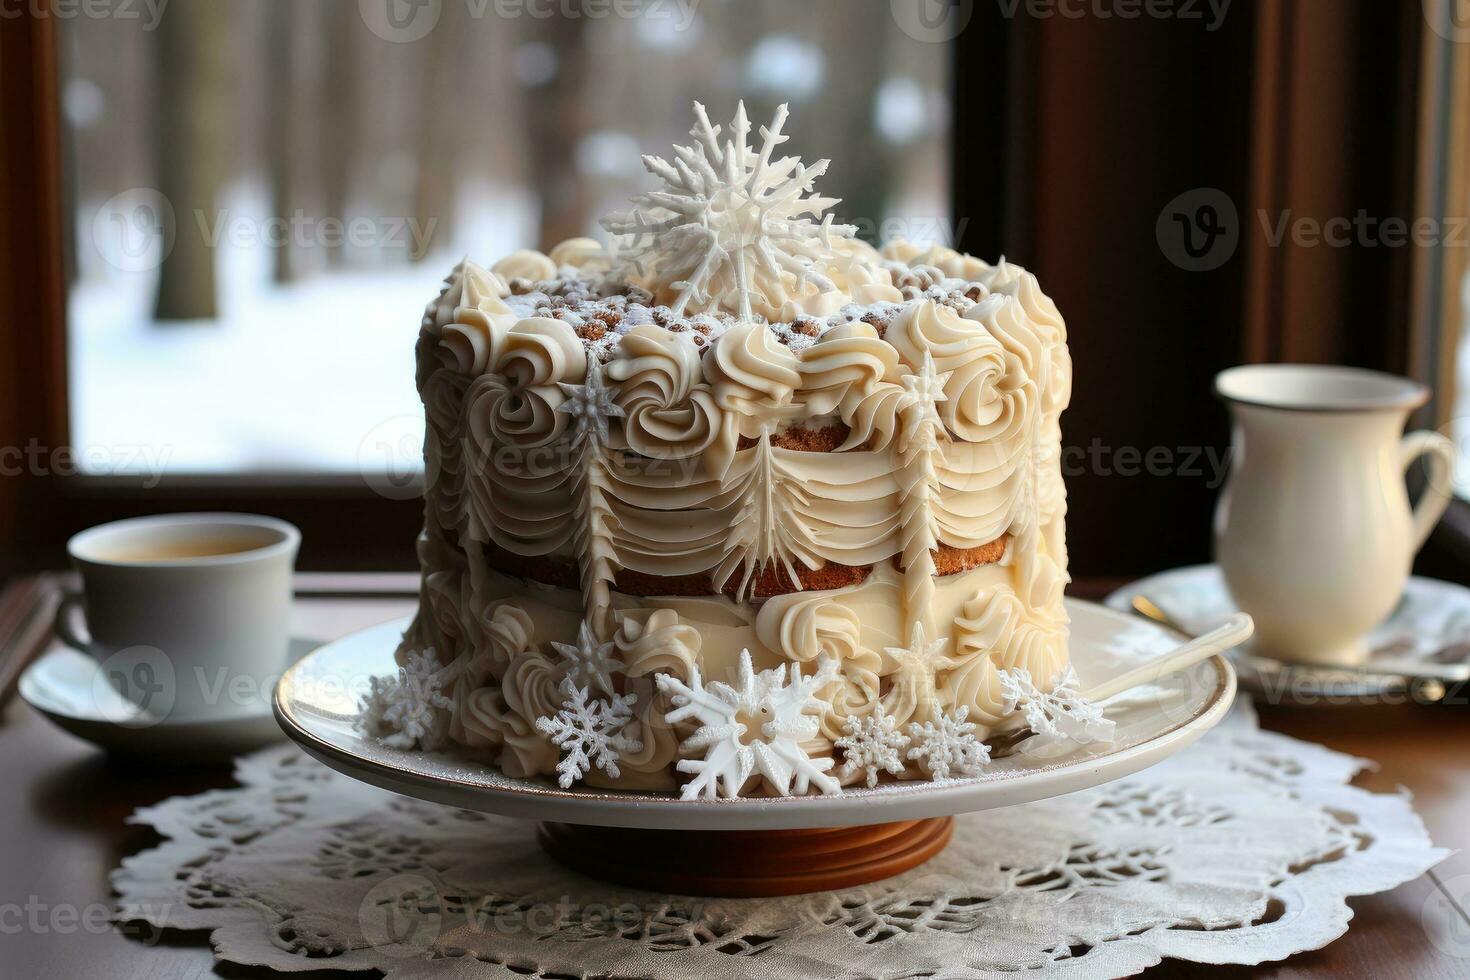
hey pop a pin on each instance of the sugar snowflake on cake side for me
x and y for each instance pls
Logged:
(755, 728)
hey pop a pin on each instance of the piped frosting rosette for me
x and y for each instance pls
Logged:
(442, 624)
(503, 631)
(809, 628)
(528, 264)
(514, 403)
(519, 493)
(989, 411)
(1043, 318)
(529, 691)
(947, 262)
(467, 336)
(444, 452)
(853, 273)
(853, 372)
(755, 378)
(669, 412)
(454, 345)
(651, 642)
(1004, 630)
(468, 287)
(585, 255)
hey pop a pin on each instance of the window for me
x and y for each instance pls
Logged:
(261, 197)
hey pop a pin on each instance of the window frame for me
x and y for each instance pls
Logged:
(1439, 323)
(345, 524)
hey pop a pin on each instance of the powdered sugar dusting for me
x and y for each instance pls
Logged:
(602, 311)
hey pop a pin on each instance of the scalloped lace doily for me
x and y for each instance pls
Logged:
(1241, 850)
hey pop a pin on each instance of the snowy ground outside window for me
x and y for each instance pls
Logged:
(312, 376)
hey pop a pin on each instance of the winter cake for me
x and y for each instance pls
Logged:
(738, 505)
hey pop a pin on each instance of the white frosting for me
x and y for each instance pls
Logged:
(987, 627)
(804, 627)
(527, 264)
(655, 642)
(468, 291)
(952, 442)
(668, 411)
(755, 379)
(586, 255)
(529, 691)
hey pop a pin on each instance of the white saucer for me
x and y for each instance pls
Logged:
(1431, 616)
(62, 686)
(317, 709)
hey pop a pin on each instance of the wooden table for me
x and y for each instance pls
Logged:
(63, 808)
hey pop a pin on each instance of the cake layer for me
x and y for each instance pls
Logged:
(515, 678)
(751, 455)
(564, 573)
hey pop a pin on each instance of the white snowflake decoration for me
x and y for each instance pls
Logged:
(401, 710)
(925, 391)
(591, 406)
(757, 727)
(872, 743)
(728, 220)
(911, 686)
(947, 746)
(921, 649)
(590, 733)
(589, 663)
(1064, 715)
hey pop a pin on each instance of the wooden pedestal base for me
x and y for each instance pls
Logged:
(746, 864)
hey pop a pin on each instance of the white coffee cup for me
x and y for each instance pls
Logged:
(1314, 530)
(188, 614)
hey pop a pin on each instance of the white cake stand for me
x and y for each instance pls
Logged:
(761, 846)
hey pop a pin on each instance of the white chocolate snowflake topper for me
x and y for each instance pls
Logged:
(729, 221)
(757, 727)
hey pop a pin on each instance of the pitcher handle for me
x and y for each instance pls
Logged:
(1438, 489)
(65, 623)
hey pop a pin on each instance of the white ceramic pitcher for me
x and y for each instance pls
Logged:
(1314, 530)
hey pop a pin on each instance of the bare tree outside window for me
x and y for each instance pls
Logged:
(191, 140)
